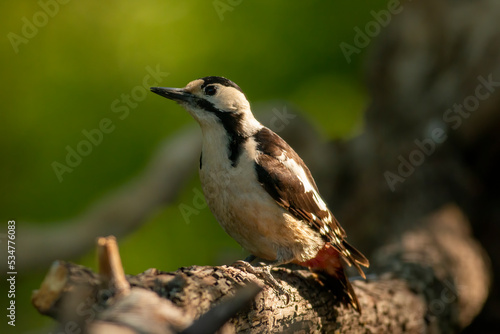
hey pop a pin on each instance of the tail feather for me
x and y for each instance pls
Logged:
(340, 285)
(328, 267)
(354, 257)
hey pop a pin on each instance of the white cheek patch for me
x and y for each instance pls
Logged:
(229, 99)
(251, 125)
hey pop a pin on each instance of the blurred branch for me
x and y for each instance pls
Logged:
(440, 279)
(120, 212)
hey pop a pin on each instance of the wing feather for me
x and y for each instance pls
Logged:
(286, 178)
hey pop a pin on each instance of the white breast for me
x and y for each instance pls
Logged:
(246, 211)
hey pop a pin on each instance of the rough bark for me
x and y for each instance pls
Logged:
(420, 284)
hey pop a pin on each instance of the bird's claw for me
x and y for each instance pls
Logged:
(264, 272)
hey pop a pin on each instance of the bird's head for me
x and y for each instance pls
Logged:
(212, 100)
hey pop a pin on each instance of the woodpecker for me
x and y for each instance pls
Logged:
(260, 190)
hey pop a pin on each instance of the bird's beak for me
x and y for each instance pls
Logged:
(175, 94)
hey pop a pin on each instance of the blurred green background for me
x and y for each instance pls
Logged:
(64, 78)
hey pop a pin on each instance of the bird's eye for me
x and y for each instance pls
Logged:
(210, 90)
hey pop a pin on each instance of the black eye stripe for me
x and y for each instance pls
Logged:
(232, 124)
(205, 105)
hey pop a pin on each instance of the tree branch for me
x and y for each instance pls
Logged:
(440, 279)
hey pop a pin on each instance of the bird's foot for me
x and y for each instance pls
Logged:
(263, 271)
(250, 258)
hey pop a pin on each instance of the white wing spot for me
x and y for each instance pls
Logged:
(324, 230)
(283, 157)
(309, 189)
(301, 174)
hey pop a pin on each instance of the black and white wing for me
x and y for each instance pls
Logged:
(289, 182)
